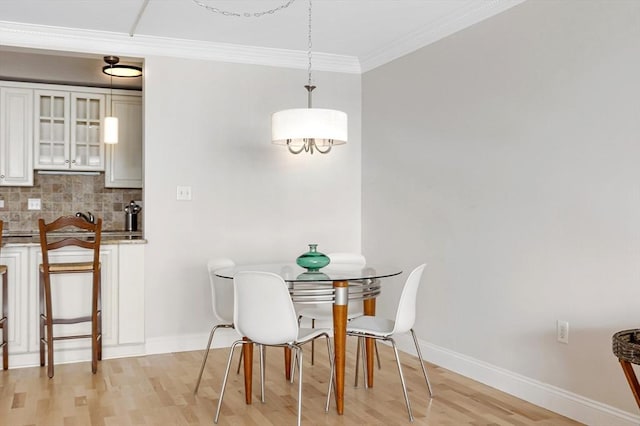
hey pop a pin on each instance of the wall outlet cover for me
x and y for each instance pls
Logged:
(33, 204)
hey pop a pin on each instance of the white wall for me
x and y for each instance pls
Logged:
(208, 126)
(506, 157)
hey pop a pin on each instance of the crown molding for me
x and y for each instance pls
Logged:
(470, 14)
(91, 41)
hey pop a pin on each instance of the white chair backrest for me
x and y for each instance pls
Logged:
(346, 260)
(263, 310)
(221, 290)
(406, 314)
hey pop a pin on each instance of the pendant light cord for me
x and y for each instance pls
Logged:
(309, 86)
(111, 83)
(310, 44)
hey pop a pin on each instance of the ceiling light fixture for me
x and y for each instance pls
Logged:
(120, 70)
(309, 129)
(111, 122)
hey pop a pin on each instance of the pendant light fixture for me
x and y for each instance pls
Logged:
(115, 70)
(309, 129)
(110, 123)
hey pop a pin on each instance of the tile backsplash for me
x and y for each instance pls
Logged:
(63, 195)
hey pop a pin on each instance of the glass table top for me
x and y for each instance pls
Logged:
(291, 272)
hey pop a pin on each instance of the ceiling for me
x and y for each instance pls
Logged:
(371, 31)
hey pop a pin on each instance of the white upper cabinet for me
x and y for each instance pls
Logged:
(16, 133)
(54, 127)
(68, 131)
(124, 159)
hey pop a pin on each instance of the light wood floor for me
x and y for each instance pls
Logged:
(158, 390)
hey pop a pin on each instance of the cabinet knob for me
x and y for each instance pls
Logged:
(66, 161)
(1, 176)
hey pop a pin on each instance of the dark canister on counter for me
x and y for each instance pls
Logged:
(131, 216)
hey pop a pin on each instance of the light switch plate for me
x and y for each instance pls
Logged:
(33, 204)
(183, 193)
(1, 204)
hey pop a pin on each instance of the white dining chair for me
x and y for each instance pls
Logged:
(221, 302)
(264, 315)
(378, 328)
(324, 311)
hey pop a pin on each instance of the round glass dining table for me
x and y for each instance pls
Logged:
(339, 285)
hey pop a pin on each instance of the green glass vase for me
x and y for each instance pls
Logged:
(312, 260)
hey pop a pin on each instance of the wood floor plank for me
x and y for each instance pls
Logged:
(158, 390)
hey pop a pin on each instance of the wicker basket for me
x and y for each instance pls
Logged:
(626, 345)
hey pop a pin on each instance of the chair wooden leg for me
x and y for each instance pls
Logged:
(41, 307)
(94, 325)
(5, 328)
(5, 345)
(5, 322)
(49, 325)
(99, 318)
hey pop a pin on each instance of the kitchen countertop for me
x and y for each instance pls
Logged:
(31, 238)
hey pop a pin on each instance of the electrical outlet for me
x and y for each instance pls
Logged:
(1, 204)
(183, 193)
(33, 204)
(562, 331)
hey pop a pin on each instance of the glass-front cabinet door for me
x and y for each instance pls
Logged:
(68, 132)
(51, 132)
(87, 150)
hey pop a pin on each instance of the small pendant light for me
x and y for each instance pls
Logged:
(111, 123)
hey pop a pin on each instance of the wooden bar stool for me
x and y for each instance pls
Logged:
(3, 321)
(49, 241)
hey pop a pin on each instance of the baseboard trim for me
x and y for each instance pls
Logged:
(552, 398)
(68, 356)
(224, 338)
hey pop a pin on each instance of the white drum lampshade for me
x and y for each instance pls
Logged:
(296, 126)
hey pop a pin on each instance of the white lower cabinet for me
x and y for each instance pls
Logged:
(122, 303)
(18, 318)
(131, 294)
